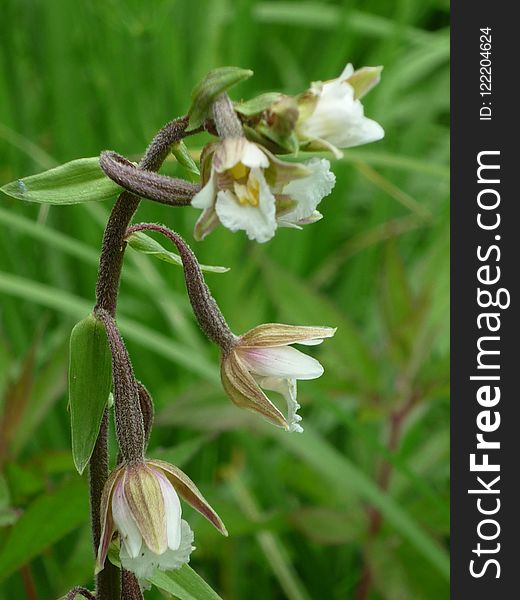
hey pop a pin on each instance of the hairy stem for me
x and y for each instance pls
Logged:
(226, 121)
(209, 316)
(110, 264)
(147, 184)
(129, 420)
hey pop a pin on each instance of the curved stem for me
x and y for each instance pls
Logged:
(110, 264)
(209, 316)
(147, 184)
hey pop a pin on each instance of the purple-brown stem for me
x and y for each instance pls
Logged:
(107, 287)
(79, 591)
(127, 405)
(147, 184)
(207, 312)
(226, 121)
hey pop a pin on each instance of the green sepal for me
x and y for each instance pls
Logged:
(185, 160)
(144, 243)
(216, 82)
(287, 143)
(74, 182)
(90, 382)
(257, 105)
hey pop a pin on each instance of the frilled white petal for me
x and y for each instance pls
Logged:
(172, 510)
(205, 198)
(124, 521)
(286, 387)
(259, 222)
(309, 191)
(145, 564)
(281, 361)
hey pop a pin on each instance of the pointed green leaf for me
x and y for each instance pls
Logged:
(184, 158)
(258, 104)
(184, 584)
(215, 83)
(74, 182)
(144, 243)
(90, 380)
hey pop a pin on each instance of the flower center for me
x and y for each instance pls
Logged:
(248, 194)
(239, 172)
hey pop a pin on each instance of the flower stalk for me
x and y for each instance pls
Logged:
(207, 312)
(107, 287)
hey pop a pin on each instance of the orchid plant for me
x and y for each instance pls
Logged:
(246, 184)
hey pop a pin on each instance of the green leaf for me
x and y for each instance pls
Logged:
(144, 243)
(215, 83)
(90, 380)
(47, 520)
(74, 182)
(258, 104)
(184, 158)
(184, 584)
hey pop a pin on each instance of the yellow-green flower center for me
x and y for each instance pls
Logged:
(245, 185)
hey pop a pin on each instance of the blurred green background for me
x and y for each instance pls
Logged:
(356, 507)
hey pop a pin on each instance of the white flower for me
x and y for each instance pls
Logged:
(140, 502)
(332, 116)
(263, 358)
(246, 188)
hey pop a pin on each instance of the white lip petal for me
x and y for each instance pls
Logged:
(286, 387)
(145, 564)
(172, 508)
(309, 191)
(259, 222)
(124, 521)
(284, 361)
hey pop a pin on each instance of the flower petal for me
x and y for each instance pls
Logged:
(188, 490)
(232, 151)
(172, 508)
(259, 222)
(205, 198)
(206, 223)
(309, 191)
(145, 564)
(144, 496)
(363, 80)
(129, 533)
(338, 118)
(277, 334)
(284, 361)
(107, 520)
(243, 390)
(286, 387)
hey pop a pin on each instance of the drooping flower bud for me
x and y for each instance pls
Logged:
(141, 502)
